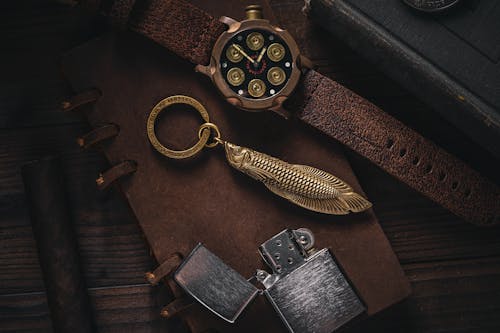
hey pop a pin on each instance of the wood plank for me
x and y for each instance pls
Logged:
(26, 312)
(116, 309)
(111, 255)
(458, 296)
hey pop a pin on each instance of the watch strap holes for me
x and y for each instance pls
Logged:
(389, 144)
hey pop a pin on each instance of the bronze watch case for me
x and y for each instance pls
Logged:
(274, 103)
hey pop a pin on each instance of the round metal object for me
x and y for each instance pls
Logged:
(210, 127)
(431, 5)
(276, 52)
(256, 88)
(160, 107)
(276, 76)
(255, 41)
(233, 54)
(235, 76)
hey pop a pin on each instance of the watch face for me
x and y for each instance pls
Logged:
(256, 64)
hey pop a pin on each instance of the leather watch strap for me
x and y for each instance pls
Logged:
(399, 150)
(179, 26)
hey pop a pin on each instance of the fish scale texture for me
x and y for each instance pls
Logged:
(294, 180)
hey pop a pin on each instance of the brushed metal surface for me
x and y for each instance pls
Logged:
(315, 297)
(214, 284)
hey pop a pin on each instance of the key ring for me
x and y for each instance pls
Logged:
(203, 134)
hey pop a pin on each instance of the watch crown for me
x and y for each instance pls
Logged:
(254, 12)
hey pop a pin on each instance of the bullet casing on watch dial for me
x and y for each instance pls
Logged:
(233, 54)
(235, 76)
(276, 52)
(255, 41)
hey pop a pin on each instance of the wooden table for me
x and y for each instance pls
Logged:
(454, 267)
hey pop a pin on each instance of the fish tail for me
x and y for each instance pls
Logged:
(355, 202)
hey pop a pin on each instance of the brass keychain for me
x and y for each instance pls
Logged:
(306, 186)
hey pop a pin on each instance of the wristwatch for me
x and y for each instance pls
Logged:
(255, 65)
(258, 67)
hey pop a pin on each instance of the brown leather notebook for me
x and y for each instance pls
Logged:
(181, 203)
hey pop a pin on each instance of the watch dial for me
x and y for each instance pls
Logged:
(256, 64)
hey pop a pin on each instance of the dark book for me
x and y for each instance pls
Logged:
(449, 60)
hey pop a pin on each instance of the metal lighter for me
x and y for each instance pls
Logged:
(306, 287)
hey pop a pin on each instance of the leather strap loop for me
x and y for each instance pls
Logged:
(167, 267)
(399, 150)
(98, 135)
(111, 175)
(82, 98)
(176, 290)
(177, 306)
(179, 26)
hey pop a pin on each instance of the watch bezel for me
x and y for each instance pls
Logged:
(269, 103)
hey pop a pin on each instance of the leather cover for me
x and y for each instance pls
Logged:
(399, 150)
(181, 203)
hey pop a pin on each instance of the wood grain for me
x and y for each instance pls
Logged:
(454, 267)
(128, 308)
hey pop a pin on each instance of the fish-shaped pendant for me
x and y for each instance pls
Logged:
(303, 185)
